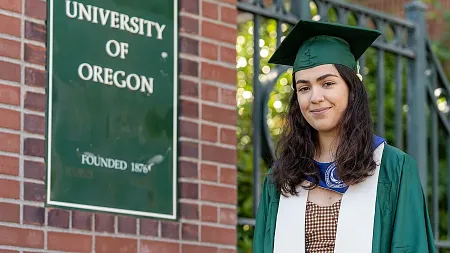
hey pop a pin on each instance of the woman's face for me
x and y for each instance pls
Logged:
(322, 95)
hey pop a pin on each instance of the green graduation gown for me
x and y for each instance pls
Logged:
(400, 217)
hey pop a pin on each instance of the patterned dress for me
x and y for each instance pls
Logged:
(321, 226)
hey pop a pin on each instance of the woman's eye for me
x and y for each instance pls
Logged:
(302, 89)
(328, 84)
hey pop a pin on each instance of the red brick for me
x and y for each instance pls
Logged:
(189, 6)
(218, 73)
(210, 10)
(228, 15)
(228, 55)
(189, 109)
(9, 212)
(34, 192)
(69, 242)
(188, 25)
(34, 124)
(233, 2)
(35, 77)
(228, 176)
(118, 245)
(219, 32)
(210, 51)
(9, 142)
(36, 9)
(170, 230)
(228, 216)
(218, 194)
(9, 165)
(35, 54)
(218, 154)
(219, 115)
(9, 119)
(218, 235)
(127, 225)
(189, 232)
(8, 251)
(9, 48)
(188, 169)
(189, 191)
(9, 71)
(189, 211)
(34, 170)
(210, 93)
(10, 25)
(82, 220)
(11, 5)
(227, 251)
(186, 248)
(149, 227)
(159, 247)
(228, 136)
(35, 101)
(189, 46)
(104, 222)
(33, 215)
(228, 97)
(20, 237)
(58, 218)
(189, 149)
(35, 32)
(34, 147)
(189, 89)
(189, 68)
(9, 94)
(209, 213)
(209, 133)
(209, 172)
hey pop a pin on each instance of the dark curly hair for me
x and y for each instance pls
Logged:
(298, 142)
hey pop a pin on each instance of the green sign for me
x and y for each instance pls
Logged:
(112, 106)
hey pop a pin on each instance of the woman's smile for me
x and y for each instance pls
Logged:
(320, 111)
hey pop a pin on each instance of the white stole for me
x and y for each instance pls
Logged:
(355, 222)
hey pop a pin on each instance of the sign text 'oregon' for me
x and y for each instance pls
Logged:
(112, 106)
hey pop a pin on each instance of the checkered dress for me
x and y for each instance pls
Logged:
(321, 226)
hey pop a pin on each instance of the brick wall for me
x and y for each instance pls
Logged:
(207, 166)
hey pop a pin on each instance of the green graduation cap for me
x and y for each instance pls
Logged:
(313, 43)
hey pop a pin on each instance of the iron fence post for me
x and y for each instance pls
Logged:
(417, 120)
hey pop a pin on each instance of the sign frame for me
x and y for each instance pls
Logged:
(48, 136)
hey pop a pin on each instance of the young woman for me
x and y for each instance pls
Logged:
(336, 187)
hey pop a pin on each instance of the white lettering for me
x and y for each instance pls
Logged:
(98, 74)
(115, 20)
(104, 14)
(108, 76)
(74, 14)
(146, 84)
(94, 12)
(123, 50)
(80, 71)
(116, 48)
(134, 23)
(118, 78)
(85, 13)
(122, 84)
(124, 22)
(137, 82)
(103, 162)
(160, 30)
